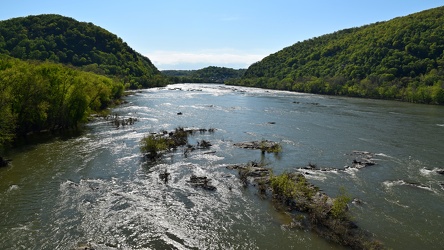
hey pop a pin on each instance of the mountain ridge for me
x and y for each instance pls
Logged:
(400, 59)
(61, 39)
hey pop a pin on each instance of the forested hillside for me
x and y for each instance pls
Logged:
(84, 45)
(210, 74)
(36, 96)
(399, 59)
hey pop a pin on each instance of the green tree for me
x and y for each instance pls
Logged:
(39, 96)
(397, 59)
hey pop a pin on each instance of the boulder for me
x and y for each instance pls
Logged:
(202, 182)
(4, 162)
(164, 176)
(264, 146)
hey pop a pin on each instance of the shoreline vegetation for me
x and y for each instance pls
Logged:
(40, 97)
(55, 71)
(310, 208)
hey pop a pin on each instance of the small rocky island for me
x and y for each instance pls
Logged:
(311, 208)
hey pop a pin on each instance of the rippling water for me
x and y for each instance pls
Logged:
(96, 187)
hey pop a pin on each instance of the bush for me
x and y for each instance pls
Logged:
(270, 147)
(153, 145)
(289, 186)
(283, 186)
(340, 205)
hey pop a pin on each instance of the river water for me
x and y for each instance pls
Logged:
(96, 187)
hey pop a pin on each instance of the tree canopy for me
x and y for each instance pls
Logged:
(36, 96)
(399, 59)
(211, 74)
(84, 45)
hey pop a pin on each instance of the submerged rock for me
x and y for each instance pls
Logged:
(4, 162)
(204, 144)
(202, 182)
(357, 201)
(164, 176)
(363, 159)
(264, 146)
(86, 246)
(251, 169)
(361, 163)
(414, 184)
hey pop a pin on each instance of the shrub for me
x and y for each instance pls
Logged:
(152, 145)
(270, 147)
(179, 137)
(340, 204)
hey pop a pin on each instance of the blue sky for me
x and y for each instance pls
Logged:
(232, 33)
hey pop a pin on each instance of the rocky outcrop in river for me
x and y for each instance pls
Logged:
(264, 146)
(202, 182)
(312, 209)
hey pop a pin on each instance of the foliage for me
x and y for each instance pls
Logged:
(283, 185)
(400, 59)
(179, 136)
(210, 74)
(47, 96)
(290, 186)
(265, 146)
(64, 40)
(153, 145)
(340, 204)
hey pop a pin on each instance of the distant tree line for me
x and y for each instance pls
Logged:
(210, 74)
(399, 59)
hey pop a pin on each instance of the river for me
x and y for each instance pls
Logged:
(96, 187)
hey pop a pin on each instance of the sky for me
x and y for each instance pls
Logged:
(193, 34)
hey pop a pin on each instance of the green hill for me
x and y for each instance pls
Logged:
(84, 45)
(399, 59)
(55, 71)
(210, 74)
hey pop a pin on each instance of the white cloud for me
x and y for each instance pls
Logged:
(191, 60)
